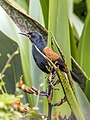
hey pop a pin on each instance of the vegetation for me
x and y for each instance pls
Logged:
(68, 27)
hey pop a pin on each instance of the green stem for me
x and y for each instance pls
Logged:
(4, 86)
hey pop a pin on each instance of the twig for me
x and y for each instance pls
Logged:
(8, 62)
(34, 90)
(60, 102)
(37, 99)
(5, 68)
(30, 90)
(4, 88)
(49, 98)
(19, 106)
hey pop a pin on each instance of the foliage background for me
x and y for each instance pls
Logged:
(70, 23)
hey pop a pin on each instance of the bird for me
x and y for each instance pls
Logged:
(37, 40)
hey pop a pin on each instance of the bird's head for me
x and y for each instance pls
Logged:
(36, 38)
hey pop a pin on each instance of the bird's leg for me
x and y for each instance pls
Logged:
(55, 80)
(50, 82)
(48, 90)
(50, 79)
(50, 87)
(53, 75)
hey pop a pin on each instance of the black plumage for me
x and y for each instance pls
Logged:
(37, 39)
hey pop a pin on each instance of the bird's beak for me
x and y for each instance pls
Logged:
(26, 34)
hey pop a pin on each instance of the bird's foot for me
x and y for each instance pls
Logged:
(54, 75)
(51, 83)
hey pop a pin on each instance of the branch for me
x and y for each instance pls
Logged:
(19, 106)
(60, 102)
(8, 62)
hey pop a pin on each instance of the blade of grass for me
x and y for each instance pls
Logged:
(21, 5)
(78, 24)
(35, 11)
(84, 103)
(58, 24)
(88, 5)
(45, 9)
(84, 54)
(74, 52)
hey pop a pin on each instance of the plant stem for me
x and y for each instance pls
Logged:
(8, 62)
(3, 86)
(5, 68)
(49, 110)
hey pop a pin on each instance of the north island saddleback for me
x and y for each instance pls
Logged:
(37, 39)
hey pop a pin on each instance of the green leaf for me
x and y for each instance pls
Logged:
(76, 1)
(35, 11)
(74, 52)
(12, 74)
(78, 25)
(71, 99)
(83, 101)
(88, 5)
(84, 52)
(58, 25)
(45, 10)
(7, 99)
(80, 73)
(21, 5)
(23, 21)
(11, 30)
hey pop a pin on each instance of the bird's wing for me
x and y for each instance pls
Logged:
(50, 54)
